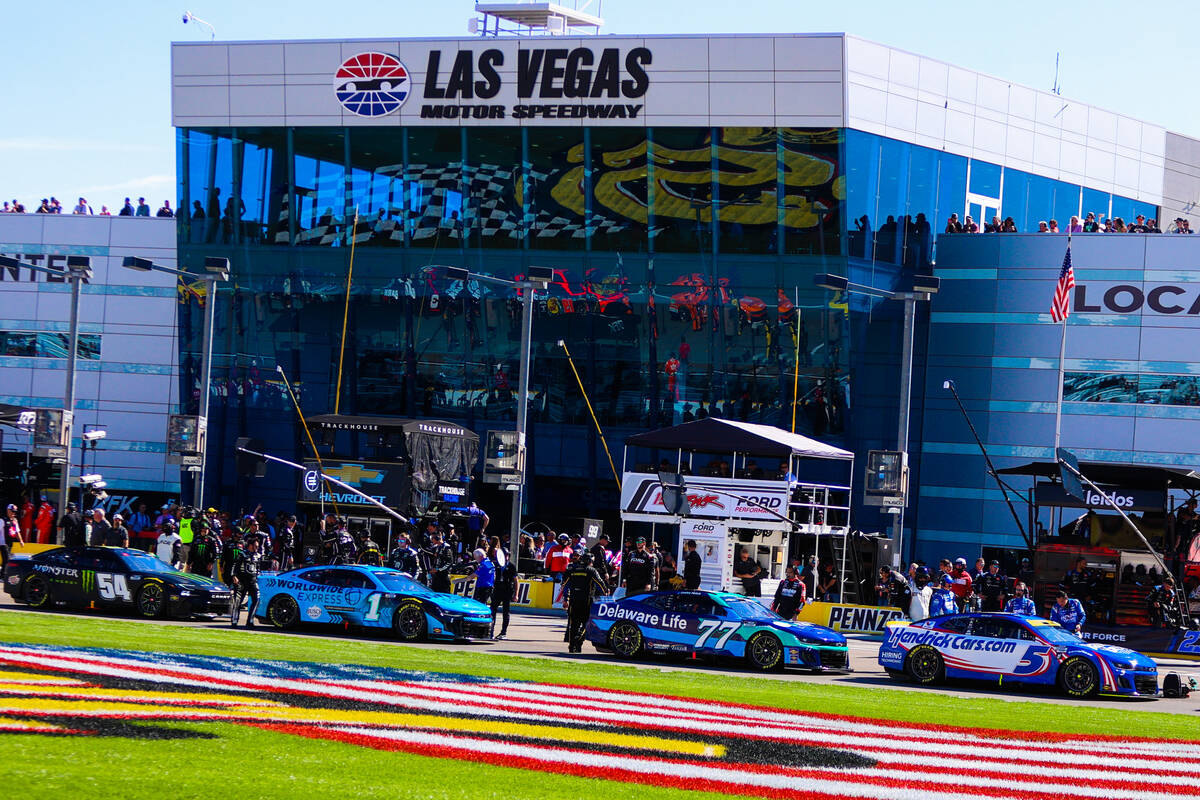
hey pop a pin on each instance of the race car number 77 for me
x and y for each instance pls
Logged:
(710, 627)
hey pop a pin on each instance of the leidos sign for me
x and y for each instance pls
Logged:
(579, 83)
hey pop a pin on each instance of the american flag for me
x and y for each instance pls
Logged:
(1059, 306)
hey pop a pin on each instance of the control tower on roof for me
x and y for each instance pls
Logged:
(534, 18)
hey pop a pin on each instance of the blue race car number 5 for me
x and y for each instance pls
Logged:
(710, 628)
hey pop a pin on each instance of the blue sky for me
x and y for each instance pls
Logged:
(87, 84)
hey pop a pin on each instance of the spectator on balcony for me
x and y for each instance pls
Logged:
(126, 210)
(1152, 226)
(1076, 225)
(17, 207)
(44, 208)
(82, 207)
(1090, 225)
(143, 210)
(1043, 227)
(1118, 225)
(55, 206)
(1054, 226)
(953, 225)
(1009, 226)
(995, 226)
(165, 211)
(104, 212)
(969, 225)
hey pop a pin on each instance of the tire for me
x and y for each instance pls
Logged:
(625, 639)
(284, 612)
(925, 666)
(764, 652)
(409, 622)
(152, 600)
(1078, 677)
(36, 592)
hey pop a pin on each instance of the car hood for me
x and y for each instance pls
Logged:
(809, 632)
(186, 580)
(1111, 652)
(459, 605)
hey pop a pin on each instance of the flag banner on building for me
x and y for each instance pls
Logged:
(1060, 307)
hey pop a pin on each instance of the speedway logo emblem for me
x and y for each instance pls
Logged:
(371, 84)
(600, 734)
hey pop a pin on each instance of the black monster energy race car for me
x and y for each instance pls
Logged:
(111, 577)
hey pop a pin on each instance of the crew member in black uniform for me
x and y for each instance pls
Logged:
(581, 582)
(245, 582)
(789, 596)
(1163, 603)
(438, 560)
(691, 566)
(600, 556)
(369, 554)
(404, 559)
(640, 569)
(990, 586)
(205, 551)
(72, 526)
(505, 588)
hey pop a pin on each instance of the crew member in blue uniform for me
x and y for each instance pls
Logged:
(943, 600)
(1020, 603)
(1068, 612)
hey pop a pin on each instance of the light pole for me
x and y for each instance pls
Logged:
(538, 278)
(92, 434)
(79, 269)
(215, 269)
(924, 287)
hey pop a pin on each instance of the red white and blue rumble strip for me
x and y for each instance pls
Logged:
(599, 734)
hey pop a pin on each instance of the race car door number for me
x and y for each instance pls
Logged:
(710, 627)
(112, 586)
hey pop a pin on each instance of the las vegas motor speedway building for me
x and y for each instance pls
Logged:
(687, 189)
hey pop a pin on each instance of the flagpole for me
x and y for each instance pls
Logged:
(1062, 373)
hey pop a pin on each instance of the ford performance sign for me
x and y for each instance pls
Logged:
(712, 498)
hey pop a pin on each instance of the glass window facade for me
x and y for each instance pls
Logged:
(683, 260)
(33, 344)
(1145, 389)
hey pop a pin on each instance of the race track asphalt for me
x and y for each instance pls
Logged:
(539, 635)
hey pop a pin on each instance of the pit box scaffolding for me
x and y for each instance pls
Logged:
(783, 508)
(1121, 573)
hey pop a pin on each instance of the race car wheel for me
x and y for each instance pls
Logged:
(409, 622)
(37, 591)
(1078, 677)
(764, 651)
(283, 612)
(925, 665)
(152, 600)
(625, 639)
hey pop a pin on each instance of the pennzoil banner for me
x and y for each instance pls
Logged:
(709, 498)
(846, 618)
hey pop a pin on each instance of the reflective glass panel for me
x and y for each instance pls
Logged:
(320, 186)
(377, 185)
(620, 213)
(682, 190)
(555, 187)
(494, 208)
(435, 197)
